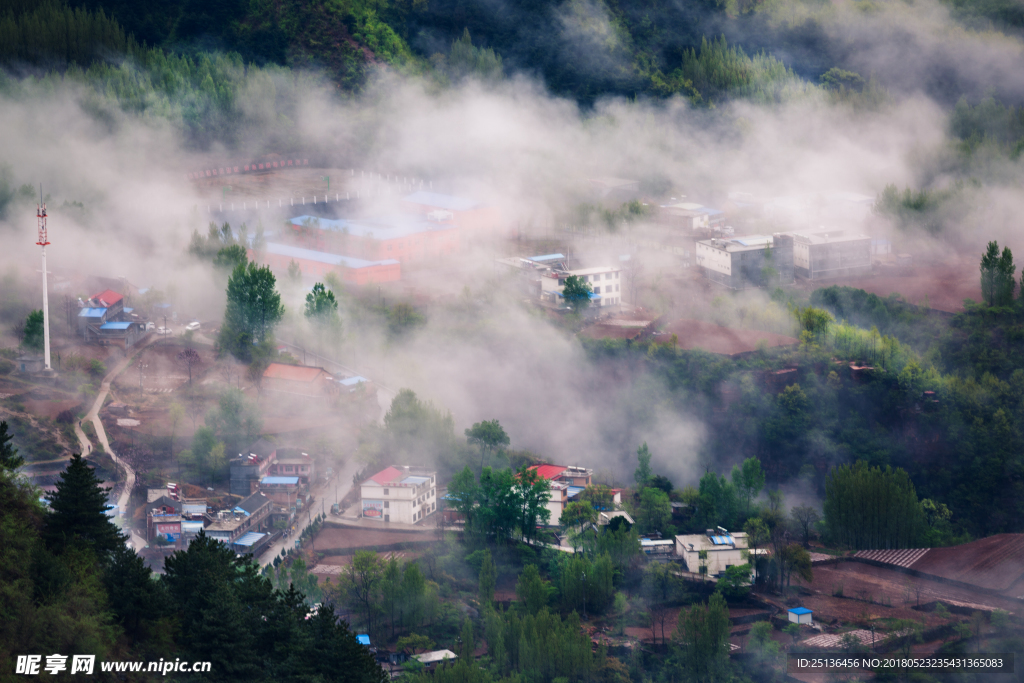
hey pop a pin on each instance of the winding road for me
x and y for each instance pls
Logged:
(94, 416)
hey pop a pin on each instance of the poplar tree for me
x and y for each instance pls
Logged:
(872, 508)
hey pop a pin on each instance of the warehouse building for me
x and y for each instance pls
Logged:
(747, 262)
(826, 254)
(317, 264)
(464, 213)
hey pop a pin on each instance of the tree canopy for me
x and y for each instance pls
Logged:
(253, 310)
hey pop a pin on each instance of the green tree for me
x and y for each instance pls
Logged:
(33, 332)
(701, 642)
(599, 496)
(78, 511)
(230, 257)
(487, 436)
(990, 273)
(655, 510)
(870, 507)
(532, 590)
(642, 474)
(413, 643)
(235, 420)
(575, 518)
(1006, 281)
(796, 559)
(758, 536)
(735, 585)
(748, 479)
(363, 582)
(488, 579)
(576, 292)
(9, 458)
(322, 306)
(253, 310)
(138, 601)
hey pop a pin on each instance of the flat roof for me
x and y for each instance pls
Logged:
(115, 326)
(324, 257)
(379, 228)
(747, 242)
(249, 538)
(90, 312)
(441, 201)
(546, 257)
(591, 271)
(828, 236)
(415, 481)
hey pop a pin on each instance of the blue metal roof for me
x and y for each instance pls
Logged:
(546, 257)
(575, 490)
(249, 539)
(801, 610)
(416, 480)
(441, 201)
(280, 480)
(722, 540)
(363, 639)
(324, 257)
(92, 313)
(115, 326)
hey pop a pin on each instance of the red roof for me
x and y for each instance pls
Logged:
(388, 475)
(548, 471)
(107, 298)
(293, 373)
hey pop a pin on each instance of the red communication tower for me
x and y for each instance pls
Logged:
(41, 218)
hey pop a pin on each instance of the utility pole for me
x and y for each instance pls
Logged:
(43, 242)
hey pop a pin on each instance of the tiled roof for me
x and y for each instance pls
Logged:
(107, 298)
(548, 471)
(388, 475)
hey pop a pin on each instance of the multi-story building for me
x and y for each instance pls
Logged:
(826, 254)
(243, 526)
(566, 483)
(606, 282)
(746, 262)
(249, 467)
(400, 494)
(724, 550)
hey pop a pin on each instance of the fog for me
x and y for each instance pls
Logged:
(513, 145)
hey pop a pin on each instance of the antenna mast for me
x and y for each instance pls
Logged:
(43, 241)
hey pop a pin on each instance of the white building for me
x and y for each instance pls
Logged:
(565, 484)
(822, 254)
(606, 282)
(400, 494)
(724, 550)
(748, 261)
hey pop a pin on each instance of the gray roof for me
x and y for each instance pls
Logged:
(253, 502)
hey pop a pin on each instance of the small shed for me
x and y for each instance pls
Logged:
(800, 615)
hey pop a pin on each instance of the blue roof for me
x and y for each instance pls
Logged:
(352, 381)
(416, 480)
(115, 326)
(722, 540)
(92, 313)
(279, 480)
(363, 639)
(441, 201)
(378, 228)
(575, 490)
(546, 257)
(709, 212)
(128, 310)
(249, 538)
(800, 610)
(324, 257)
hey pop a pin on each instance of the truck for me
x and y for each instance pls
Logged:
(335, 509)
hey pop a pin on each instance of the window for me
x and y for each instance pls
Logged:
(387, 503)
(616, 276)
(385, 492)
(616, 288)
(597, 290)
(607, 276)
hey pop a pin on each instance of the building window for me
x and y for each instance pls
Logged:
(597, 290)
(387, 503)
(616, 288)
(385, 492)
(616, 276)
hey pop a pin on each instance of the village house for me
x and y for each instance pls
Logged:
(242, 527)
(724, 550)
(748, 261)
(605, 281)
(565, 483)
(399, 494)
(298, 380)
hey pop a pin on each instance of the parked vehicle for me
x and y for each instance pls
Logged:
(335, 509)
(150, 326)
(192, 326)
(163, 330)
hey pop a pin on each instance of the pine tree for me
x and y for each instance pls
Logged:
(9, 458)
(78, 511)
(989, 273)
(488, 579)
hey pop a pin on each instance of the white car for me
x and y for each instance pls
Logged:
(149, 326)
(163, 330)
(192, 326)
